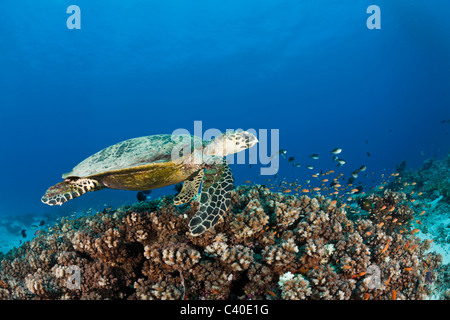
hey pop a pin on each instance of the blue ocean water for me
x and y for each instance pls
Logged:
(311, 69)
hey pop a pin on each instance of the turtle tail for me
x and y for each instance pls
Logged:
(67, 190)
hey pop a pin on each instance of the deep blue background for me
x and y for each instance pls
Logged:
(310, 68)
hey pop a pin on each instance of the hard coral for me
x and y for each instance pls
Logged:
(269, 245)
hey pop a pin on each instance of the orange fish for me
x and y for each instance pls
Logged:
(394, 295)
(287, 190)
(325, 180)
(305, 190)
(391, 209)
(316, 189)
(414, 231)
(333, 202)
(407, 269)
(346, 267)
(383, 207)
(387, 244)
(271, 293)
(366, 296)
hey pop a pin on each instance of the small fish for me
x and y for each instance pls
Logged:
(341, 162)
(336, 151)
(316, 189)
(362, 168)
(297, 165)
(310, 167)
(141, 196)
(33, 227)
(333, 183)
(273, 294)
(429, 277)
(41, 223)
(287, 190)
(368, 153)
(291, 159)
(37, 232)
(314, 156)
(355, 174)
(24, 233)
(282, 152)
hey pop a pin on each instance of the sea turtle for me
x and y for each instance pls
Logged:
(157, 161)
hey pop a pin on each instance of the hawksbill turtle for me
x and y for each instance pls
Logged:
(157, 161)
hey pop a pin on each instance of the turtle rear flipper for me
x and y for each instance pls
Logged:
(68, 189)
(215, 198)
(190, 189)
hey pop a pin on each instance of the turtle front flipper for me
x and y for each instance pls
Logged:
(68, 189)
(190, 189)
(215, 198)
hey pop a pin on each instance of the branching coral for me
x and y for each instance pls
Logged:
(270, 245)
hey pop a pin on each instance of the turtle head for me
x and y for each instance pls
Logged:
(229, 143)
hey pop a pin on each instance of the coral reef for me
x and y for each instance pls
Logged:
(269, 246)
(433, 179)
